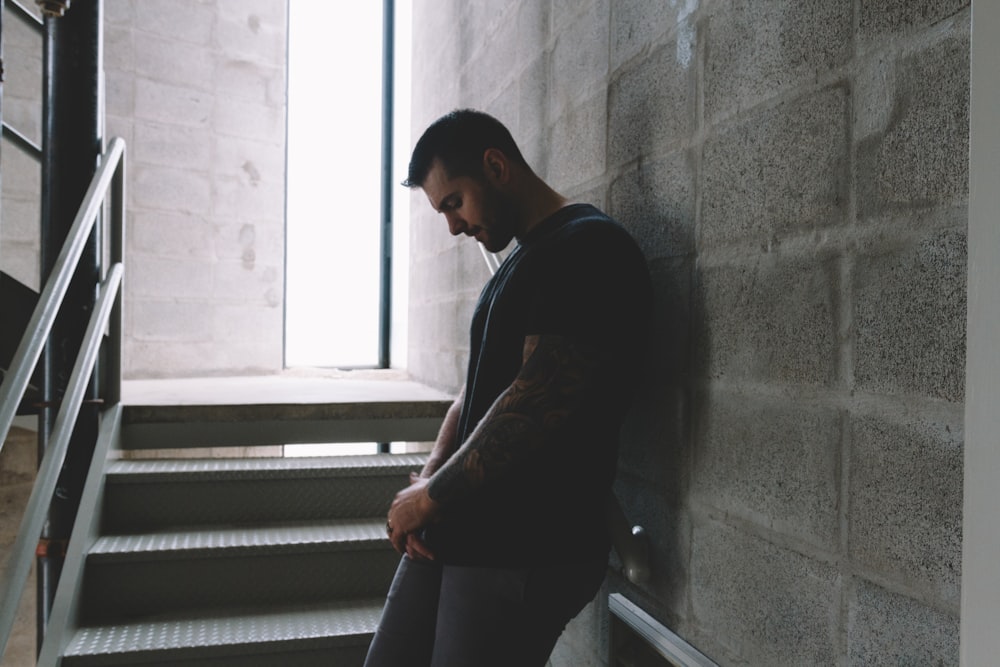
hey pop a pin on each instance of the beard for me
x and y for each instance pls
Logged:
(500, 220)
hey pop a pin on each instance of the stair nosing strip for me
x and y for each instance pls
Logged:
(169, 632)
(219, 542)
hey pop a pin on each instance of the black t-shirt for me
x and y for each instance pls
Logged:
(577, 274)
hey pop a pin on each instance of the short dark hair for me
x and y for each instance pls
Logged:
(459, 140)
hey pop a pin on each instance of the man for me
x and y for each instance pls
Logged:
(503, 533)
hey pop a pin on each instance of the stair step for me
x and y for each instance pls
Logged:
(335, 633)
(158, 495)
(346, 534)
(141, 471)
(136, 576)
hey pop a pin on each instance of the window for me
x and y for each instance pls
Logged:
(333, 260)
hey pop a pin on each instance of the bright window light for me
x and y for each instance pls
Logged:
(333, 183)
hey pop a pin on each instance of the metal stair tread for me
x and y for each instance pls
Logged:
(125, 471)
(330, 624)
(333, 535)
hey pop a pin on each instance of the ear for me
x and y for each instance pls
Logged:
(496, 166)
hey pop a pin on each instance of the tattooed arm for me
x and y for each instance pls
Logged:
(556, 376)
(447, 438)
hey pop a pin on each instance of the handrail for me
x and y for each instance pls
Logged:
(107, 311)
(21, 141)
(30, 349)
(10, 133)
(630, 542)
(19, 564)
(25, 15)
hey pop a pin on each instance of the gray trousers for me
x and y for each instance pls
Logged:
(451, 616)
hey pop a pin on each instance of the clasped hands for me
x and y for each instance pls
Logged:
(411, 510)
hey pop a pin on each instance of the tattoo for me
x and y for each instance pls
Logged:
(556, 376)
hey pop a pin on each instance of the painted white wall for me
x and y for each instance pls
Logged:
(980, 642)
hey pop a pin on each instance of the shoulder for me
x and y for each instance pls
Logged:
(591, 232)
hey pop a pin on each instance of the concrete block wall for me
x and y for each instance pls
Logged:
(197, 89)
(796, 173)
(20, 173)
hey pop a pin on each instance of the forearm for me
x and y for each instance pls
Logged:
(556, 377)
(447, 438)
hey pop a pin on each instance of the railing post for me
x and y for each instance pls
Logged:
(72, 136)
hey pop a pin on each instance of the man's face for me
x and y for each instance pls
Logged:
(471, 207)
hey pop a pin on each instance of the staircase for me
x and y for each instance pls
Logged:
(244, 561)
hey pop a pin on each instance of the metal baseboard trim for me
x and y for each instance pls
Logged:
(659, 637)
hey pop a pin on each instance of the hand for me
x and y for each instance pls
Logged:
(411, 510)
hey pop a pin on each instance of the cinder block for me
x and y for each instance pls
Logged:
(154, 277)
(235, 197)
(169, 234)
(169, 189)
(915, 152)
(905, 505)
(779, 171)
(740, 439)
(652, 107)
(238, 118)
(119, 50)
(634, 25)
(120, 13)
(768, 605)
(248, 241)
(910, 317)
(773, 320)
(757, 49)
(248, 323)
(176, 321)
(20, 38)
(878, 21)
(178, 105)
(22, 177)
(24, 115)
(578, 144)
(20, 220)
(252, 162)
(236, 282)
(532, 97)
(533, 28)
(253, 36)
(159, 359)
(580, 56)
(119, 100)
(181, 20)
(250, 81)
(20, 261)
(889, 629)
(179, 146)
(655, 202)
(159, 59)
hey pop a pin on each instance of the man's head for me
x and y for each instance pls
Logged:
(459, 140)
(465, 163)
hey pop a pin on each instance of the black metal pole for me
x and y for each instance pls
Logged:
(385, 310)
(72, 137)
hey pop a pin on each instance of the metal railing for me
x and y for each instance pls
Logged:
(10, 133)
(630, 542)
(107, 314)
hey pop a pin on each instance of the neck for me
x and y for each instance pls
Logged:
(536, 201)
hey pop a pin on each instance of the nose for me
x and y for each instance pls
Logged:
(456, 225)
